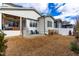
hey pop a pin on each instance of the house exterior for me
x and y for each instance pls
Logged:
(49, 23)
(16, 20)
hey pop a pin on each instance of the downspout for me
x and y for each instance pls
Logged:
(44, 25)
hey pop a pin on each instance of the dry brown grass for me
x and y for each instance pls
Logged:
(41, 45)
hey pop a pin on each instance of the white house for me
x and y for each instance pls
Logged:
(16, 20)
(13, 19)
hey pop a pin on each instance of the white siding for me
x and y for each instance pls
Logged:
(28, 28)
(41, 26)
(48, 28)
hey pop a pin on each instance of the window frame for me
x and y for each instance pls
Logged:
(33, 24)
(49, 23)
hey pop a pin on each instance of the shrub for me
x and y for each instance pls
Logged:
(2, 44)
(74, 47)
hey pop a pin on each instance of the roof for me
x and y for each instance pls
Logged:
(50, 17)
(47, 16)
(20, 9)
(65, 22)
(14, 5)
(58, 20)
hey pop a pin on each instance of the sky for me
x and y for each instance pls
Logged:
(64, 11)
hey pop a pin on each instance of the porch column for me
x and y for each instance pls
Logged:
(0, 21)
(21, 26)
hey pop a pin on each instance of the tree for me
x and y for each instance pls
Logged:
(77, 25)
(75, 44)
(2, 43)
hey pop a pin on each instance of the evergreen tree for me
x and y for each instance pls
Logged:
(2, 44)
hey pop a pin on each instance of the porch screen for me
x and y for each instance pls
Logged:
(10, 22)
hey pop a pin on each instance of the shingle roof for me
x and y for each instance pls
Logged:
(58, 20)
(14, 5)
(47, 16)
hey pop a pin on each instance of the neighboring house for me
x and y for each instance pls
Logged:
(16, 20)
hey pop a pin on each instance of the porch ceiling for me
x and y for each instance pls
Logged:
(26, 13)
(10, 16)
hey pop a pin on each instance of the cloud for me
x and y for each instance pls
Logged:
(65, 11)
(69, 12)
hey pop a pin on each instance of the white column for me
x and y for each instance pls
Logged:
(21, 25)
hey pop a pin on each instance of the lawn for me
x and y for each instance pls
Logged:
(53, 45)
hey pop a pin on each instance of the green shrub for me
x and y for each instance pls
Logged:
(74, 47)
(2, 43)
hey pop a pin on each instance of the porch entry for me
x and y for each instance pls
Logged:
(10, 22)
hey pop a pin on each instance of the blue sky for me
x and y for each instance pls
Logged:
(64, 11)
(54, 9)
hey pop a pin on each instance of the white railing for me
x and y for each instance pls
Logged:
(65, 31)
(62, 31)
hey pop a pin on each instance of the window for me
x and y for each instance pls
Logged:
(56, 25)
(33, 24)
(49, 23)
(10, 22)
